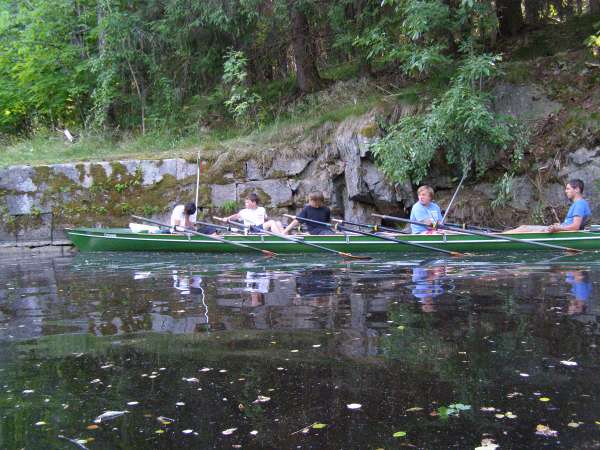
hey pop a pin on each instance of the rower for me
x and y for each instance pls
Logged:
(315, 210)
(255, 217)
(185, 216)
(576, 218)
(425, 211)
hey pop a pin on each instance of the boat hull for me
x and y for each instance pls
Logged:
(98, 239)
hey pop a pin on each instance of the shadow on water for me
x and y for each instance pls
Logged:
(227, 351)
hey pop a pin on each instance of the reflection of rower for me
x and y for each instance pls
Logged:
(427, 285)
(581, 288)
(258, 286)
(185, 283)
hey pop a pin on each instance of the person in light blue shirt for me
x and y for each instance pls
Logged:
(425, 211)
(578, 215)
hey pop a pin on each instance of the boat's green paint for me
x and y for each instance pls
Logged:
(122, 239)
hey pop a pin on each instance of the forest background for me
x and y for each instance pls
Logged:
(125, 78)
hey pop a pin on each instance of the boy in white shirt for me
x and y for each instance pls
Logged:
(183, 216)
(255, 217)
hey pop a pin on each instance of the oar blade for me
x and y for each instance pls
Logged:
(351, 256)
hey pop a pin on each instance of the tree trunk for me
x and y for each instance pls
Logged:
(532, 11)
(307, 75)
(594, 7)
(509, 16)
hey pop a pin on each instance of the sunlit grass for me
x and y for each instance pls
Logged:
(306, 114)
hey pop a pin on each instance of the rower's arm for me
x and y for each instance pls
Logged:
(294, 223)
(575, 226)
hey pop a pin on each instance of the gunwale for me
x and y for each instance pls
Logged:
(122, 239)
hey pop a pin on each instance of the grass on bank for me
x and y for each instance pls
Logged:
(340, 101)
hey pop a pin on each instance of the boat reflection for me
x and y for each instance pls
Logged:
(105, 295)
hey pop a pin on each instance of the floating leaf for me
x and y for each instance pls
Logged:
(573, 424)
(569, 363)
(180, 404)
(460, 406)
(159, 431)
(262, 399)
(109, 415)
(544, 399)
(228, 431)
(487, 444)
(28, 391)
(399, 434)
(546, 431)
(354, 406)
(165, 420)
(414, 409)
(40, 423)
(488, 409)
(318, 425)
(511, 415)
(92, 427)
(254, 432)
(133, 403)
(188, 431)
(191, 380)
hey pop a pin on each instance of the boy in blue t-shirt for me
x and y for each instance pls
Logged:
(578, 213)
(425, 211)
(576, 219)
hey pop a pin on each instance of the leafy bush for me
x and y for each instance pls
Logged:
(242, 103)
(460, 123)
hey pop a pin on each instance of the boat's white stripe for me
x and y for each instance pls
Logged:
(352, 242)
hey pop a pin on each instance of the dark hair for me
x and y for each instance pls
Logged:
(576, 183)
(316, 197)
(189, 209)
(253, 198)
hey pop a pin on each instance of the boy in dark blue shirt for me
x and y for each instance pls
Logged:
(313, 211)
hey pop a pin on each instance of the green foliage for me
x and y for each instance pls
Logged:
(593, 42)
(229, 207)
(460, 123)
(242, 103)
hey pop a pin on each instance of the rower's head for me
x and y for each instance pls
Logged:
(316, 199)
(251, 201)
(574, 188)
(189, 209)
(425, 194)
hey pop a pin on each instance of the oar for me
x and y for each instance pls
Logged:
(454, 196)
(472, 227)
(375, 228)
(385, 238)
(208, 236)
(298, 241)
(480, 233)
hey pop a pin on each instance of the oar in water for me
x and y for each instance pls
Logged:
(385, 238)
(208, 236)
(480, 233)
(297, 241)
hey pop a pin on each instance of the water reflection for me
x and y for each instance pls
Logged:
(198, 339)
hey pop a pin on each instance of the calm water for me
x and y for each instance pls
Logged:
(299, 352)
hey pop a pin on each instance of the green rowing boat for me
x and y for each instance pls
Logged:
(123, 239)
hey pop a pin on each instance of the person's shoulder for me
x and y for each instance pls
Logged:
(261, 209)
